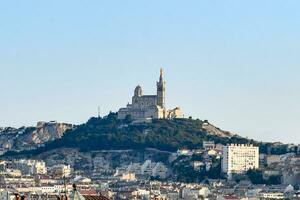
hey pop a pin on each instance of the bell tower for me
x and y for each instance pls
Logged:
(161, 90)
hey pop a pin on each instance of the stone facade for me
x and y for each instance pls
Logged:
(150, 106)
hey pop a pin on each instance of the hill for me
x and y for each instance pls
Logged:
(109, 133)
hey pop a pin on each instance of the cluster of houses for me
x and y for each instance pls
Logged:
(34, 179)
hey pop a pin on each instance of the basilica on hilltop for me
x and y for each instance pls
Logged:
(145, 107)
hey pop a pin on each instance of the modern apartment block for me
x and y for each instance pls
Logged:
(237, 158)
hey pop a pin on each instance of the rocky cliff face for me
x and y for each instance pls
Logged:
(213, 130)
(25, 138)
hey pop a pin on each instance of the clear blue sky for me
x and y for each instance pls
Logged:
(235, 63)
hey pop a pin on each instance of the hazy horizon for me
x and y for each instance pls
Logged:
(233, 63)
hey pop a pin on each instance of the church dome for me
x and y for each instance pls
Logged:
(138, 91)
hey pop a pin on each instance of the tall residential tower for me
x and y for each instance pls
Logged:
(239, 158)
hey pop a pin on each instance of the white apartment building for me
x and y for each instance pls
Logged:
(39, 167)
(271, 195)
(239, 158)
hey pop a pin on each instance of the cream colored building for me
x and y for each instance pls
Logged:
(239, 158)
(271, 195)
(150, 106)
(128, 177)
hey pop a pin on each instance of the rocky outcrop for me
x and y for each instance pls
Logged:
(213, 130)
(26, 138)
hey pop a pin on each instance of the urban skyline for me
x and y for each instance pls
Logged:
(149, 100)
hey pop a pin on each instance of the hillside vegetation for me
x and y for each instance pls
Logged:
(110, 133)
